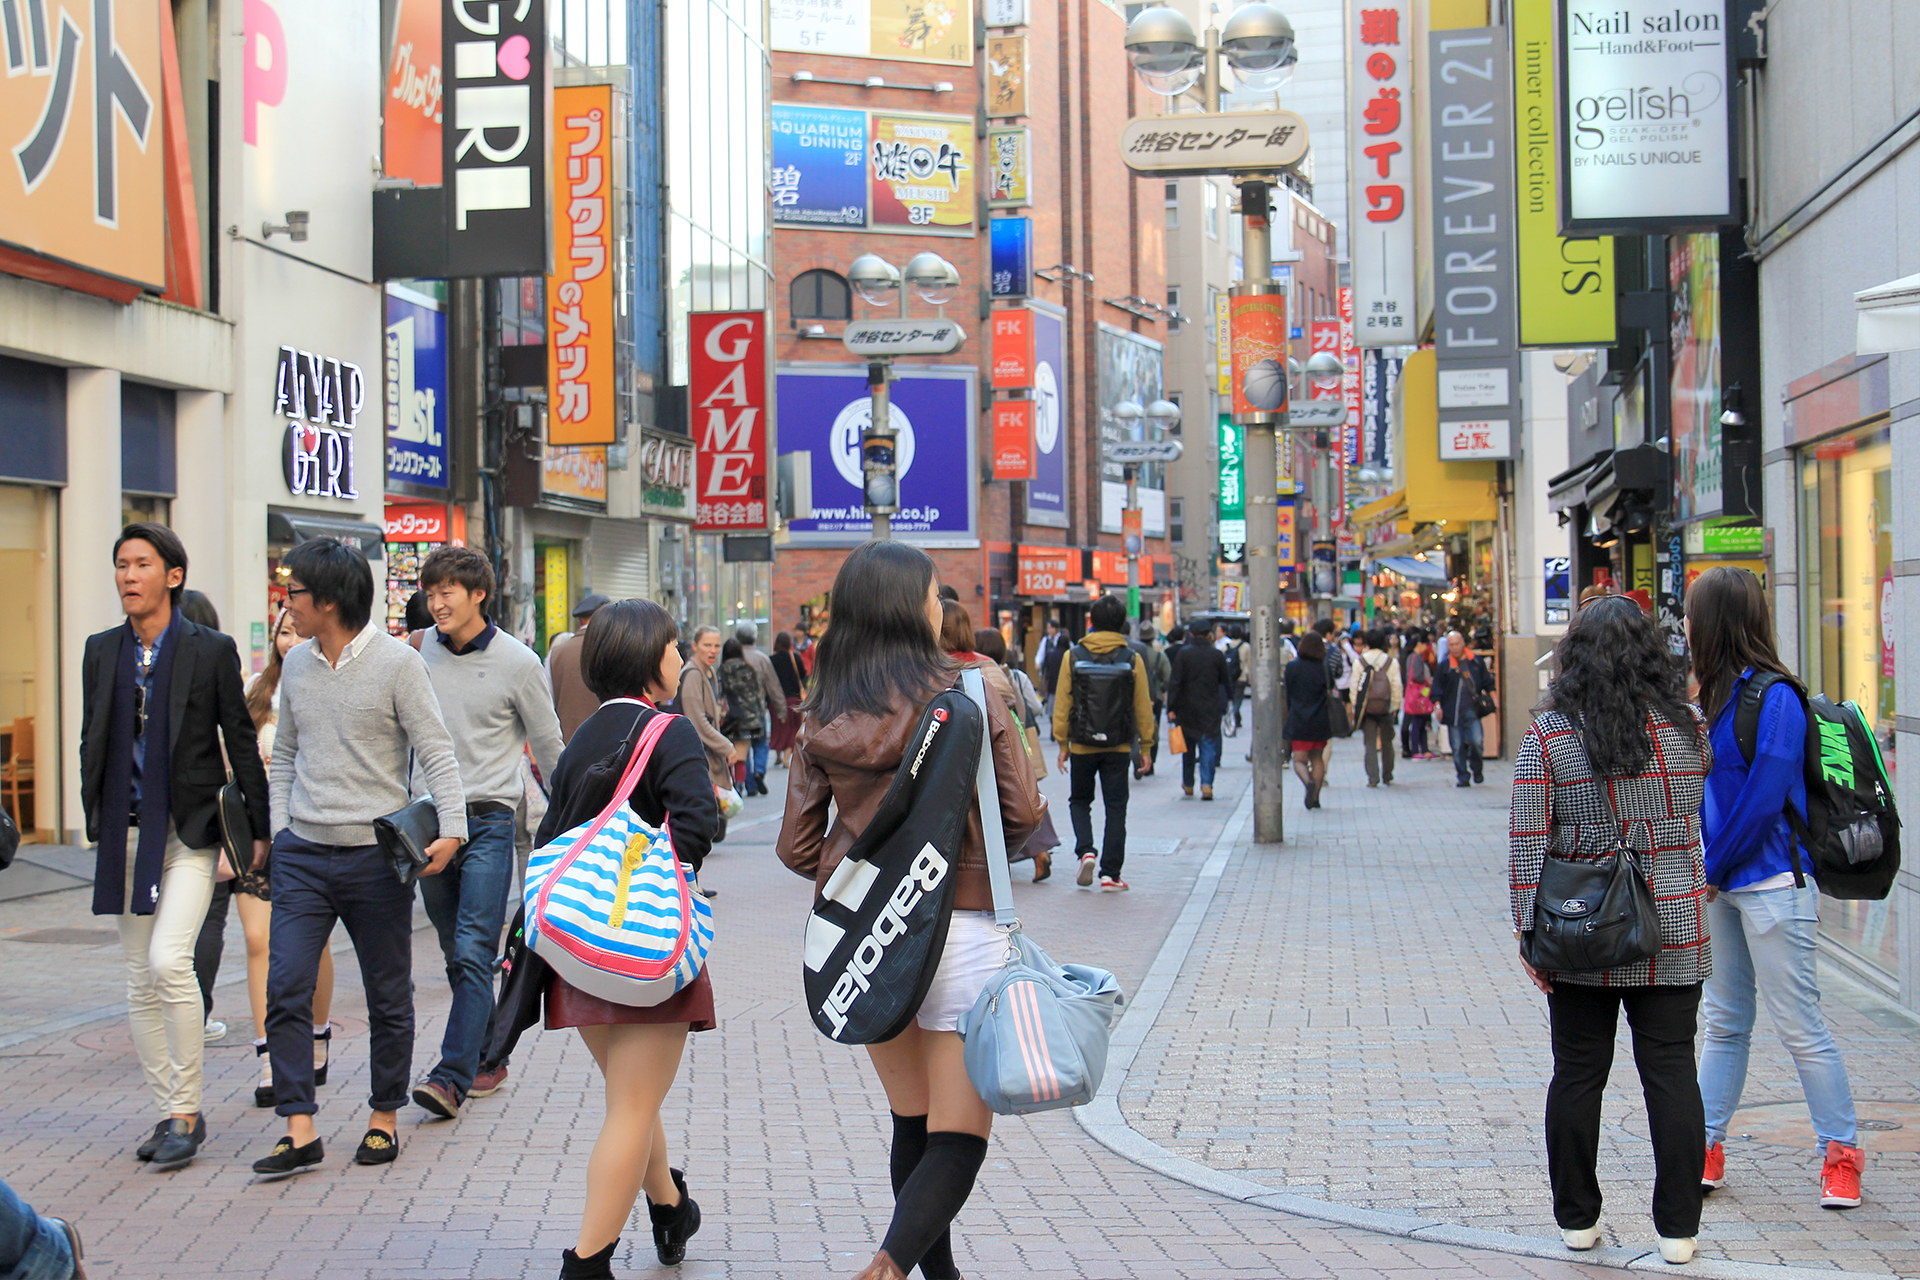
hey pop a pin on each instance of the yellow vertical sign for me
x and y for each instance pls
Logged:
(1222, 341)
(558, 597)
(1565, 282)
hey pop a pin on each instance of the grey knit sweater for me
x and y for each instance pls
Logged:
(345, 733)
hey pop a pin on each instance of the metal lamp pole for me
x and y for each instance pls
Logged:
(881, 284)
(1262, 462)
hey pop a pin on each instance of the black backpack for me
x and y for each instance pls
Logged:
(1102, 689)
(1851, 828)
(1234, 674)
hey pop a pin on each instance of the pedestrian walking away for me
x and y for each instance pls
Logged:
(34, 1247)
(1417, 701)
(356, 705)
(162, 712)
(1195, 693)
(1308, 684)
(1023, 703)
(1615, 759)
(743, 717)
(1459, 680)
(1159, 671)
(495, 700)
(631, 662)
(1763, 922)
(1376, 704)
(791, 672)
(878, 666)
(573, 702)
(1102, 711)
(1052, 651)
(773, 695)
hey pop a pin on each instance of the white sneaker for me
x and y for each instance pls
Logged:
(215, 1030)
(1677, 1249)
(1088, 864)
(1581, 1241)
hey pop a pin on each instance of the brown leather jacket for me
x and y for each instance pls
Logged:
(850, 761)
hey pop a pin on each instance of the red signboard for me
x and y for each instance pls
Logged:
(1324, 335)
(416, 522)
(727, 400)
(1111, 566)
(1047, 571)
(1013, 440)
(1012, 349)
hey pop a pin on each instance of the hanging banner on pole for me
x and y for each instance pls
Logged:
(1258, 324)
(1381, 165)
(1223, 343)
(1233, 490)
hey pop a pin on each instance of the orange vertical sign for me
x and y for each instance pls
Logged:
(415, 87)
(1012, 349)
(1257, 327)
(580, 314)
(1013, 440)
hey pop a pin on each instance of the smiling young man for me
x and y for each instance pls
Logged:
(160, 696)
(494, 698)
(355, 706)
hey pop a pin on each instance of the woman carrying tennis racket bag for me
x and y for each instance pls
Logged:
(883, 707)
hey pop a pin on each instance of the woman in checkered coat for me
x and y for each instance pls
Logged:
(1616, 723)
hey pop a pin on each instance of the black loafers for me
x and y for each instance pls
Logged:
(152, 1144)
(181, 1143)
(378, 1147)
(287, 1159)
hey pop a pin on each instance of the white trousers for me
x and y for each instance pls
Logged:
(163, 997)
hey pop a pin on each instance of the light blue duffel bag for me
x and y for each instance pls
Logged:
(1036, 1039)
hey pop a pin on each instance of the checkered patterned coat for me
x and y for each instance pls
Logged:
(1559, 811)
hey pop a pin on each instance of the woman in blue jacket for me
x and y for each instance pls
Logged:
(1762, 923)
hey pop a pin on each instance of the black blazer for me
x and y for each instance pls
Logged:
(1198, 689)
(207, 702)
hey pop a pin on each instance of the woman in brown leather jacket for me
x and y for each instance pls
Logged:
(875, 670)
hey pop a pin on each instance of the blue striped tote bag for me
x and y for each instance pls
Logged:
(612, 908)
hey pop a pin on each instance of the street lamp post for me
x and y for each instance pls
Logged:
(1169, 56)
(880, 284)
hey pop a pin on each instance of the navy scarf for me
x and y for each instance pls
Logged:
(156, 808)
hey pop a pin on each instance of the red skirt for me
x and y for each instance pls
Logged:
(786, 729)
(569, 1006)
(1303, 746)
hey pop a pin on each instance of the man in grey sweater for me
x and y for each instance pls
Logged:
(355, 703)
(494, 696)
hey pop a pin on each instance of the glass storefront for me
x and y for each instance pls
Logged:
(1847, 641)
(725, 595)
(29, 693)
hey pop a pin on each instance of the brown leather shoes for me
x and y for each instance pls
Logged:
(881, 1268)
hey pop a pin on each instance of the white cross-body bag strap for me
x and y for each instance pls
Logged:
(987, 797)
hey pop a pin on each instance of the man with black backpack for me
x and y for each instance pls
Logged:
(1102, 707)
(1376, 704)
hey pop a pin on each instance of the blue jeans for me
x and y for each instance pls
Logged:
(1763, 944)
(1204, 752)
(31, 1247)
(1469, 737)
(315, 886)
(468, 906)
(758, 749)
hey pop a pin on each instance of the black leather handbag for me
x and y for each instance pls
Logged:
(1595, 913)
(236, 829)
(403, 837)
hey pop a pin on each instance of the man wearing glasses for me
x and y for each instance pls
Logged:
(159, 697)
(356, 709)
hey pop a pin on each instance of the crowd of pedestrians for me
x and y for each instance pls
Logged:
(280, 796)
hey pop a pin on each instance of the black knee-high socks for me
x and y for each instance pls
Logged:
(933, 1174)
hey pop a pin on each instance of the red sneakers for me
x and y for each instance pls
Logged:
(1714, 1176)
(1840, 1177)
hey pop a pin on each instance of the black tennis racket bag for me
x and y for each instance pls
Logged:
(875, 937)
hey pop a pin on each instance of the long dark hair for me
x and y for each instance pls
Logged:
(878, 651)
(1730, 628)
(260, 692)
(1614, 669)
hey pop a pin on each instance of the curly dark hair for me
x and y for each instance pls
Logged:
(1614, 671)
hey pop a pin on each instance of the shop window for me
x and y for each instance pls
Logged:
(147, 439)
(145, 508)
(1173, 204)
(821, 295)
(1212, 190)
(1847, 647)
(33, 420)
(1177, 520)
(1173, 304)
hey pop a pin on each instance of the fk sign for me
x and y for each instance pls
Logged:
(727, 395)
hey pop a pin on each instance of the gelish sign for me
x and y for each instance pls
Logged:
(1646, 116)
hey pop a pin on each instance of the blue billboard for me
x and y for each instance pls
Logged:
(416, 393)
(823, 411)
(1012, 270)
(1047, 491)
(819, 166)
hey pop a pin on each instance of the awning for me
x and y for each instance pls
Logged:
(1889, 316)
(1424, 572)
(1569, 488)
(1380, 510)
(1641, 469)
(291, 528)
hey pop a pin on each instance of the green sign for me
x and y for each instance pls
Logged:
(1233, 484)
(1733, 540)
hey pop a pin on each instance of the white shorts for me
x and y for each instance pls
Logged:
(975, 951)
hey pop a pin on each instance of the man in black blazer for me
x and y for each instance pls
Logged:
(161, 696)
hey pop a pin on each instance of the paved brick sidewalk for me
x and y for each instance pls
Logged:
(782, 1133)
(1351, 1027)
